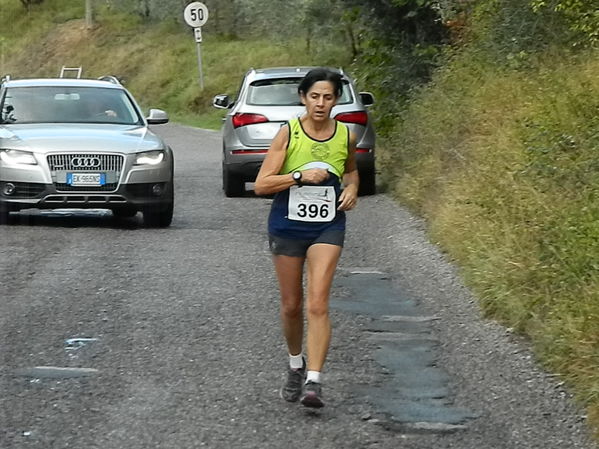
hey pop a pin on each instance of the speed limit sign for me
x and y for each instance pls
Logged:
(195, 14)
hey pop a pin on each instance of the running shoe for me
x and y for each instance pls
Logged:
(312, 396)
(292, 389)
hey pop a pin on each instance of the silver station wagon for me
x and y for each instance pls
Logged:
(266, 100)
(78, 143)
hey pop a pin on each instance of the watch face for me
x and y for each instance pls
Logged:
(297, 175)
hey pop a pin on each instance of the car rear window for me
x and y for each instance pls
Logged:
(283, 92)
(60, 104)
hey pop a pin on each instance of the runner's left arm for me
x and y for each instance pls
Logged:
(351, 179)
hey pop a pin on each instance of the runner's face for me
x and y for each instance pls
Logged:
(319, 100)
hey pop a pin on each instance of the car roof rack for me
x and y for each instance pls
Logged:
(65, 70)
(111, 79)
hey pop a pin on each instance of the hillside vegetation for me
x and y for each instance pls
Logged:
(157, 61)
(487, 111)
(500, 153)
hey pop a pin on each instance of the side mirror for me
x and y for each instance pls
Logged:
(367, 98)
(157, 117)
(222, 102)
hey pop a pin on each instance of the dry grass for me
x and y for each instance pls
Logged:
(158, 62)
(505, 166)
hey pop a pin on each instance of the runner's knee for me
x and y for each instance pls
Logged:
(317, 308)
(291, 308)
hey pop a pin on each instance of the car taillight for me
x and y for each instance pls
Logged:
(359, 117)
(363, 150)
(248, 119)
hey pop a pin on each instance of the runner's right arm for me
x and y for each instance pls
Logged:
(269, 180)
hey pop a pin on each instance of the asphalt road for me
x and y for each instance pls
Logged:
(117, 336)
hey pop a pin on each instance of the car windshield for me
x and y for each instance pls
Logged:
(283, 92)
(68, 104)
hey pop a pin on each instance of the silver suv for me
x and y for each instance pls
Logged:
(266, 100)
(77, 143)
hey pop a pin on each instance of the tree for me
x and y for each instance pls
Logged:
(582, 16)
(27, 3)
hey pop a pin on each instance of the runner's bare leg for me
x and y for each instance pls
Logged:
(321, 264)
(289, 272)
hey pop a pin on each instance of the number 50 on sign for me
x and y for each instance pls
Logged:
(195, 14)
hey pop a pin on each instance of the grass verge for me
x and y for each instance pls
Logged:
(504, 164)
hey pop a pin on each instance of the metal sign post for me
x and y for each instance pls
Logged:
(196, 15)
(89, 18)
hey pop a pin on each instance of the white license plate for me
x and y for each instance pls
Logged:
(86, 179)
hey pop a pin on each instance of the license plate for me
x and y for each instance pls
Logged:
(86, 179)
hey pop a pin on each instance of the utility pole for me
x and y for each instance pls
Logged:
(88, 14)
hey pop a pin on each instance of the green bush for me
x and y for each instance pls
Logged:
(504, 164)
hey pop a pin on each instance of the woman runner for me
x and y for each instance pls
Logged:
(306, 163)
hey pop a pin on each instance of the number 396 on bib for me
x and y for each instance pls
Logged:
(312, 203)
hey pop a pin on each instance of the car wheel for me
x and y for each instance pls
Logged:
(232, 185)
(3, 215)
(124, 213)
(160, 216)
(367, 183)
(159, 219)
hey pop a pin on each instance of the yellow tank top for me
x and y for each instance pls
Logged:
(303, 152)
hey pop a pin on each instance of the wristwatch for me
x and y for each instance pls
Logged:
(297, 177)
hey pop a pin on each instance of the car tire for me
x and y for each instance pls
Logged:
(159, 219)
(124, 213)
(3, 215)
(232, 185)
(163, 216)
(367, 183)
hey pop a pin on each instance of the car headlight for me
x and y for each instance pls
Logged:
(149, 158)
(17, 157)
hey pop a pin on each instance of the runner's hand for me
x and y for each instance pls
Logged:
(314, 176)
(348, 198)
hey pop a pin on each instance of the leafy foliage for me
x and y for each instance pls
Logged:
(28, 3)
(582, 16)
(500, 153)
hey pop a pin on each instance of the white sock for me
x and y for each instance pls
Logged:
(296, 361)
(313, 376)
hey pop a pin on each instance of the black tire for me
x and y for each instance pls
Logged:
(161, 216)
(367, 183)
(232, 185)
(159, 219)
(124, 213)
(3, 216)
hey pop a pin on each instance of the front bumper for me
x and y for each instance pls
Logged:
(46, 196)
(44, 186)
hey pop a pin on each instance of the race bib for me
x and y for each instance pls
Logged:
(312, 203)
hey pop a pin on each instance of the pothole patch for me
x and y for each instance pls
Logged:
(414, 396)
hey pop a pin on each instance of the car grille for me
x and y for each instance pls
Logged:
(74, 200)
(64, 162)
(61, 187)
(107, 162)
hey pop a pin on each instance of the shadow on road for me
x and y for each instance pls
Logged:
(73, 218)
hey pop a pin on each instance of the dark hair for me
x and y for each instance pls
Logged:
(321, 74)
